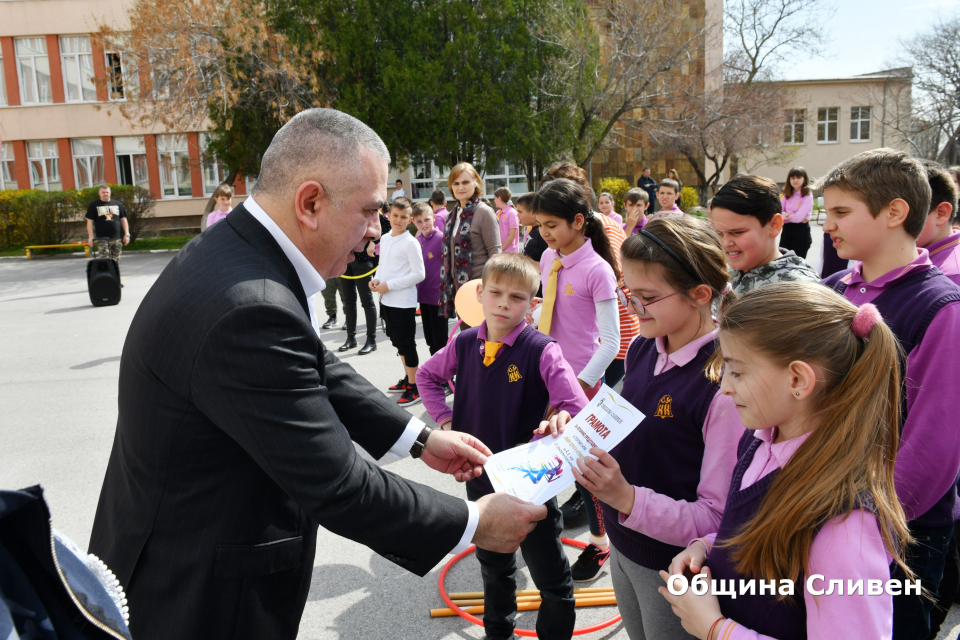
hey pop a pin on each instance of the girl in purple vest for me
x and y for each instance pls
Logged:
(665, 484)
(812, 500)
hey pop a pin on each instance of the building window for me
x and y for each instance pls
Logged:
(121, 73)
(77, 59)
(505, 175)
(828, 124)
(214, 173)
(3, 86)
(859, 124)
(174, 166)
(33, 69)
(131, 161)
(87, 161)
(44, 165)
(8, 175)
(425, 178)
(794, 126)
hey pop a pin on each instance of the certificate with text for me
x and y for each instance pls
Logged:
(540, 470)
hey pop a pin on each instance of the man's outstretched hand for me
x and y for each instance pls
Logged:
(505, 521)
(459, 454)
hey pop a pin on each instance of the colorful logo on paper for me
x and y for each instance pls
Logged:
(551, 472)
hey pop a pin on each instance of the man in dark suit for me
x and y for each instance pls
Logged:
(236, 425)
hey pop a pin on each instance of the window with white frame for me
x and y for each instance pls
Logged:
(828, 124)
(174, 166)
(76, 56)
(131, 161)
(859, 124)
(214, 173)
(8, 174)
(425, 177)
(794, 127)
(33, 71)
(87, 161)
(44, 164)
(505, 175)
(3, 85)
(121, 68)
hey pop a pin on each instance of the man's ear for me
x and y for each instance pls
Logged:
(311, 199)
(897, 212)
(776, 224)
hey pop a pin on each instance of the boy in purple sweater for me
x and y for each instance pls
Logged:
(939, 237)
(428, 290)
(508, 374)
(877, 204)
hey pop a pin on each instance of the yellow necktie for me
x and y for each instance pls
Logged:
(549, 298)
(490, 350)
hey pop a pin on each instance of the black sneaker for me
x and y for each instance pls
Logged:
(330, 323)
(589, 565)
(400, 387)
(447, 391)
(573, 512)
(410, 397)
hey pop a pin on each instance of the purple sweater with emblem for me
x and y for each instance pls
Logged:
(922, 308)
(428, 289)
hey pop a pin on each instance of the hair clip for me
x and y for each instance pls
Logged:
(867, 316)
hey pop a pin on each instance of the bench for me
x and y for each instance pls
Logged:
(58, 246)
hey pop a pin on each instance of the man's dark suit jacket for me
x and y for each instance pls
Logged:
(235, 440)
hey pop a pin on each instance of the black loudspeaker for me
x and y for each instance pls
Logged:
(103, 282)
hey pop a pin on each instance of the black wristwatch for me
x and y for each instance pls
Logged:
(421, 442)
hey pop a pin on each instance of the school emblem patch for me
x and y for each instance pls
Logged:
(513, 374)
(665, 407)
(568, 289)
(430, 254)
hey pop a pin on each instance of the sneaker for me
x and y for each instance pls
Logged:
(410, 397)
(400, 387)
(447, 391)
(573, 512)
(589, 565)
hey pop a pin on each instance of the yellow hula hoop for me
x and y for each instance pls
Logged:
(368, 273)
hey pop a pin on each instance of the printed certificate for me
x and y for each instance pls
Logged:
(540, 470)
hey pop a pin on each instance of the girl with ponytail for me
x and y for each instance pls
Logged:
(812, 494)
(666, 483)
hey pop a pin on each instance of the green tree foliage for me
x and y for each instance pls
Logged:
(617, 187)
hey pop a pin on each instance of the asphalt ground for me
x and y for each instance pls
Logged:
(58, 393)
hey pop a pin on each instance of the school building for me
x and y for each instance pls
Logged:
(832, 119)
(60, 123)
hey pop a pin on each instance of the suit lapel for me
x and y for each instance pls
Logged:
(257, 235)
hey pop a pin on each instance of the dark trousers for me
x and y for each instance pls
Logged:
(550, 569)
(594, 512)
(949, 587)
(434, 327)
(614, 373)
(330, 296)
(349, 289)
(925, 557)
(796, 236)
(401, 325)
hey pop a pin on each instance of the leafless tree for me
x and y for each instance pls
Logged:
(619, 63)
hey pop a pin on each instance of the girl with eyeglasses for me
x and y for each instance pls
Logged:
(667, 482)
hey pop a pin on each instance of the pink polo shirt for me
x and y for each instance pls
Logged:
(440, 218)
(216, 216)
(508, 220)
(673, 521)
(944, 255)
(848, 547)
(616, 217)
(584, 279)
(796, 208)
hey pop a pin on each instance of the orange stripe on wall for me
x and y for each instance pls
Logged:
(56, 71)
(10, 73)
(196, 175)
(109, 160)
(66, 163)
(153, 165)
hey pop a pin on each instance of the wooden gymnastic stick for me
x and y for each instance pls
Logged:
(597, 601)
(528, 592)
(468, 602)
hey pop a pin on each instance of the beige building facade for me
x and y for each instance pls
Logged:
(60, 120)
(835, 118)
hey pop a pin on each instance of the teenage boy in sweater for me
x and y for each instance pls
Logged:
(508, 373)
(428, 289)
(939, 237)
(400, 269)
(668, 193)
(746, 213)
(877, 205)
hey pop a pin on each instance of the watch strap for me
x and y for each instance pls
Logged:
(421, 442)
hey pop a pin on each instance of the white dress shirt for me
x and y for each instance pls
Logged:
(313, 283)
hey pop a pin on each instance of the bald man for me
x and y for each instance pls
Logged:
(235, 437)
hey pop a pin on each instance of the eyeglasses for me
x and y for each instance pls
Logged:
(637, 303)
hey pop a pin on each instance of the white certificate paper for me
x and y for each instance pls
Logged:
(540, 470)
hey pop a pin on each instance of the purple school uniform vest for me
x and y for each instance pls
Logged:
(665, 451)
(501, 404)
(781, 619)
(908, 307)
